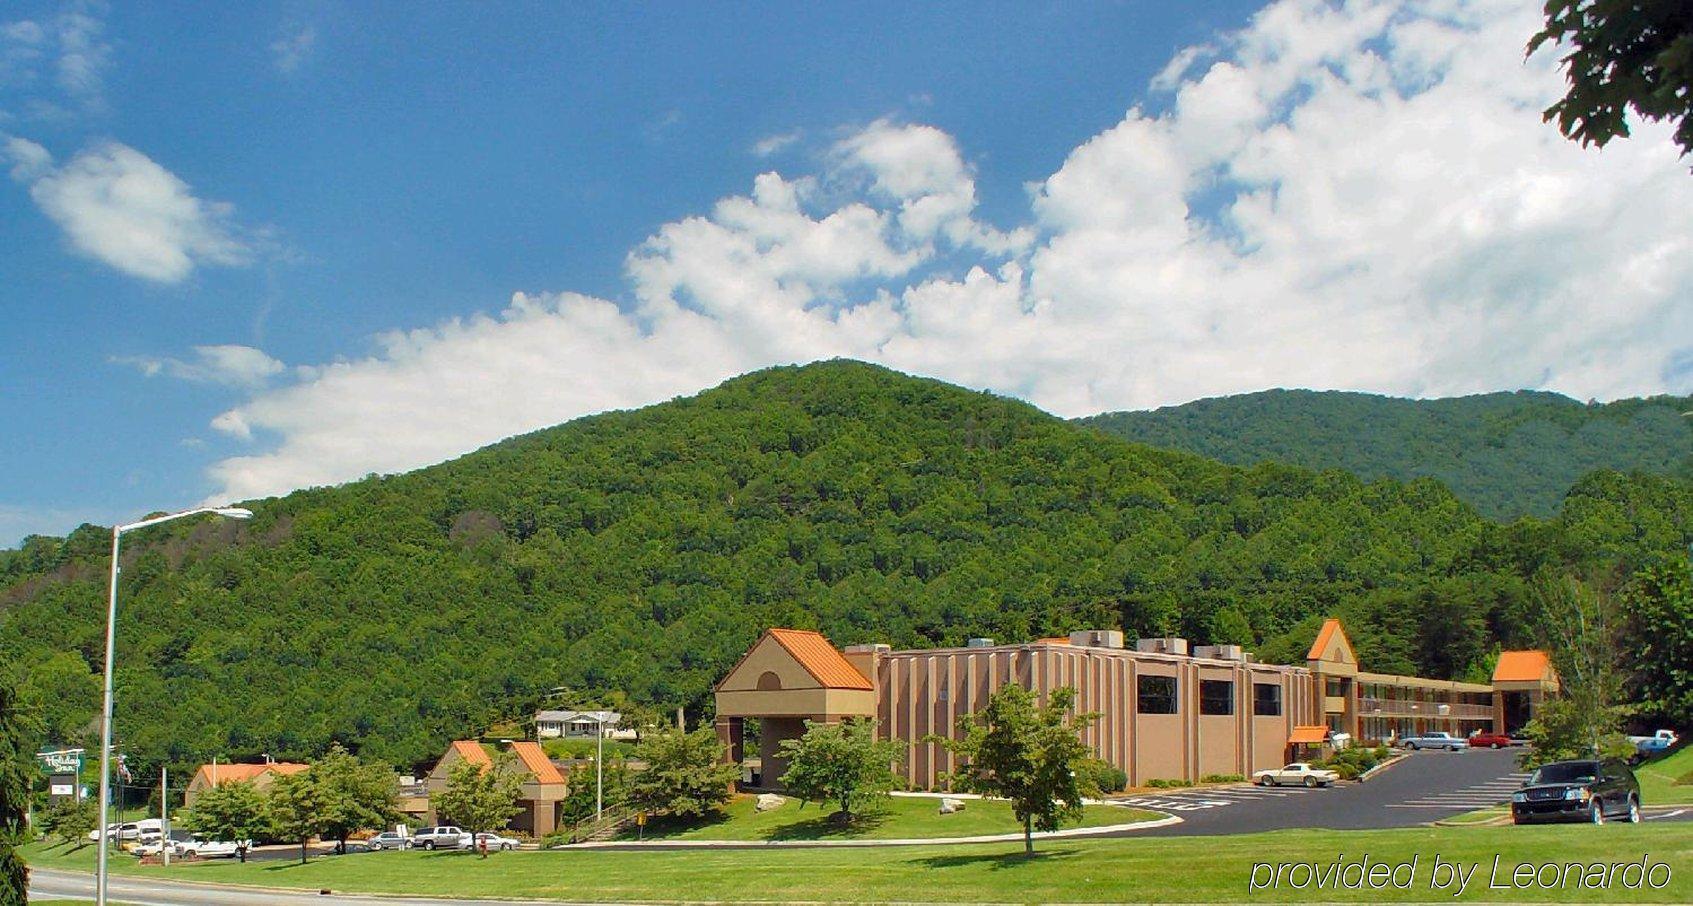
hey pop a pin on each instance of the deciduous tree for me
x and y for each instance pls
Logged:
(480, 798)
(354, 795)
(1017, 749)
(1622, 55)
(685, 774)
(235, 812)
(19, 731)
(296, 809)
(841, 762)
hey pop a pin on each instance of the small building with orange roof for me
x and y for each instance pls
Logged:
(260, 776)
(540, 797)
(1522, 681)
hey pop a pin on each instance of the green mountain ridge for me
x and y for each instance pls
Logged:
(1507, 454)
(640, 552)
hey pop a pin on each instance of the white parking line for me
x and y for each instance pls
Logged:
(1679, 811)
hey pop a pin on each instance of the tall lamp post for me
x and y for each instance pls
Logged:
(106, 713)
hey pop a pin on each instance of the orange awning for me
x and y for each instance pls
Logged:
(1308, 735)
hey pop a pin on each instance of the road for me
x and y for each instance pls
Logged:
(147, 892)
(1423, 787)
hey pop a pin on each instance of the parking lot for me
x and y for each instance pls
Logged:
(1422, 787)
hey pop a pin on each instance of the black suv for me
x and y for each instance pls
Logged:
(1578, 791)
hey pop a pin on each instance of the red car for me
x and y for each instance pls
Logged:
(1491, 741)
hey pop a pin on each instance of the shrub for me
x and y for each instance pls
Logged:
(1098, 777)
(1222, 778)
(1173, 783)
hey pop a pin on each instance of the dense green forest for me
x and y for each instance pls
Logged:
(642, 551)
(1506, 454)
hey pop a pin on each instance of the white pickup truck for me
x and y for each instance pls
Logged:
(1656, 744)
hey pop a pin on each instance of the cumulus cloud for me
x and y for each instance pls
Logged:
(230, 365)
(1352, 196)
(118, 206)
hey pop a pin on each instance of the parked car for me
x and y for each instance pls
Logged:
(387, 840)
(441, 837)
(213, 849)
(494, 842)
(1298, 772)
(1585, 790)
(1656, 744)
(1439, 739)
(1491, 741)
(156, 846)
(129, 830)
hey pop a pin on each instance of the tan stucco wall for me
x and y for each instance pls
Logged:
(768, 656)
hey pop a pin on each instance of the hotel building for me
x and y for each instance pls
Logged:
(1166, 712)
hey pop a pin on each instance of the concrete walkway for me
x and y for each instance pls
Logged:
(1107, 830)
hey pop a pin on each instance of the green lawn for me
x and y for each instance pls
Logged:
(1658, 779)
(904, 817)
(1178, 869)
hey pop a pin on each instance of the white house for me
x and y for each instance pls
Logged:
(578, 724)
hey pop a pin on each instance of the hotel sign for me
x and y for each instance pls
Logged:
(68, 761)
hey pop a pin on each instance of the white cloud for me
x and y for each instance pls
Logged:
(1339, 196)
(118, 206)
(293, 48)
(771, 144)
(230, 365)
(57, 60)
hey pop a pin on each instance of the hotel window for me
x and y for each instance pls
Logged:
(1267, 699)
(1216, 697)
(1157, 695)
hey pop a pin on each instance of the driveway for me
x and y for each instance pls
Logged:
(1423, 787)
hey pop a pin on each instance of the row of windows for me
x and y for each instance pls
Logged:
(1158, 695)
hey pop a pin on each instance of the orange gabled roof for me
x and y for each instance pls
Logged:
(245, 773)
(1330, 627)
(1521, 666)
(471, 750)
(1054, 640)
(822, 660)
(536, 762)
(1309, 735)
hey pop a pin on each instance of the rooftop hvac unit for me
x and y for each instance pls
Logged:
(1166, 645)
(979, 643)
(1220, 652)
(1097, 638)
(873, 648)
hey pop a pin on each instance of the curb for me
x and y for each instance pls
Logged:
(1382, 767)
(1068, 834)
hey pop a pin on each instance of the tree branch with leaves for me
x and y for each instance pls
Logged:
(1017, 749)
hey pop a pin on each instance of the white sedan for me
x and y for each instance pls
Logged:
(494, 843)
(1294, 774)
(211, 849)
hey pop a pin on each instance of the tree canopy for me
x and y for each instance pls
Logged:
(1506, 454)
(1622, 55)
(842, 763)
(642, 552)
(1018, 749)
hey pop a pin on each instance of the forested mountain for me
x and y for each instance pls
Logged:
(1506, 454)
(642, 551)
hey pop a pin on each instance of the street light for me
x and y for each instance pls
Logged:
(228, 512)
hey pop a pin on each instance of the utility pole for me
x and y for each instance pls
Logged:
(164, 813)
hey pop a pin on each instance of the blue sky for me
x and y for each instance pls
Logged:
(218, 216)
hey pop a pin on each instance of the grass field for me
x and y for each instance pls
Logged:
(1658, 779)
(1179, 869)
(907, 817)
